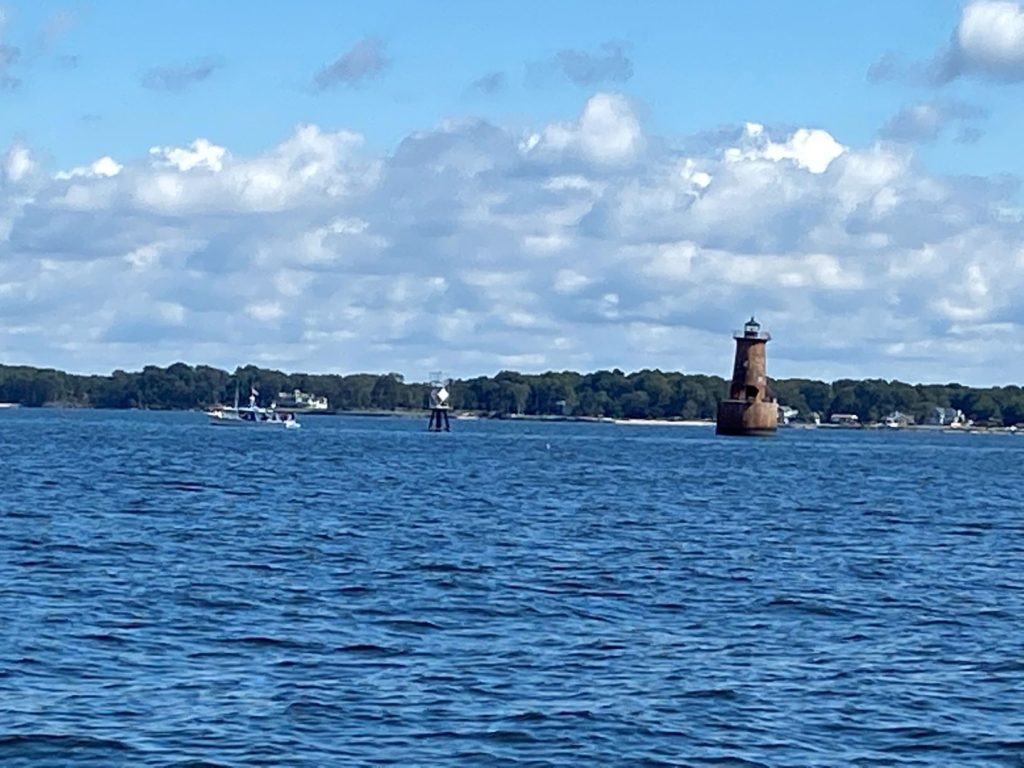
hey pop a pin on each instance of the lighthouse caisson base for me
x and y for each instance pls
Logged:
(742, 417)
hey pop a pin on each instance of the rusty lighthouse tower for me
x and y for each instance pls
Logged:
(750, 408)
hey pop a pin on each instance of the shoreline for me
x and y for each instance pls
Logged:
(552, 418)
(664, 422)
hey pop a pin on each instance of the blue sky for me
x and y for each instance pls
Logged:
(576, 114)
(694, 66)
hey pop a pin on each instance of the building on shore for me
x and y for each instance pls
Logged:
(300, 402)
(844, 420)
(944, 417)
(787, 414)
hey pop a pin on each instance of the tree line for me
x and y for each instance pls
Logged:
(640, 395)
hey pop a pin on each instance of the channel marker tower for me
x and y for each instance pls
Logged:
(439, 405)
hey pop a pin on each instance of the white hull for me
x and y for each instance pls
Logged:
(253, 418)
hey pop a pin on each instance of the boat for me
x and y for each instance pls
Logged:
(251, 415)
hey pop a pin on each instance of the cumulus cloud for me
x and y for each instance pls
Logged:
(104, 167)
(987, 43)
(178, 79)
(201, 153)
(584, 243)
(17, 163)
(925, 121)
(364, 61)
(608, 131)
(809, 148)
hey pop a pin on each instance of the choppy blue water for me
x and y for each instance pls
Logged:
(362, 592)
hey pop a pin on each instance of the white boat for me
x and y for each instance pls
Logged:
(251, 415)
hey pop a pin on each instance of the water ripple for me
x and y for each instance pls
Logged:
(507, 594)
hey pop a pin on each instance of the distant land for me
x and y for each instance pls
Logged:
(647, 394)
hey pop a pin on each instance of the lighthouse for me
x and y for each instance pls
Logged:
(750, 408)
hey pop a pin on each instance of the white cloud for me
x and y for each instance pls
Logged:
(470, 249)
(608, 129)
(204, 177)
(570, 281)
(812, 149)
(529, 360)
(105, 167)
(607, 132)
(144, 256)
(672, 262)
(265, 311)
(199, 154)
(987, 43)
(170, 312)
(990, 40)
(18, 163)
(549, 243)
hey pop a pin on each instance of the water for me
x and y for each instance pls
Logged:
(362, 592)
